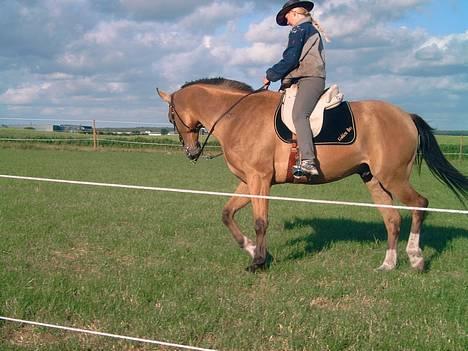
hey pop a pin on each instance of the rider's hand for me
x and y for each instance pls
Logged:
(266, 82)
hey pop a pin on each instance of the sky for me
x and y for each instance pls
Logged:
(103, 59)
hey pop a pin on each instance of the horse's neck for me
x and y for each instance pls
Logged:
(220, 107)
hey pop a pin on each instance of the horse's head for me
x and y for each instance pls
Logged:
(186, 124)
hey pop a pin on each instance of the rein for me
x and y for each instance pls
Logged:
(197, 128)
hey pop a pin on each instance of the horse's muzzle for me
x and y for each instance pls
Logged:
(193, 152)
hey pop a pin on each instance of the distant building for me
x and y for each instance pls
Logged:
(70, 128)
(38, 127)
(57, 128)
(86, 129)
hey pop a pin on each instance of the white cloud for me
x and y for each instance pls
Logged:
(56, 90)
(159, 9)
(451, 48)
(107, 32)
(438, 56)
(215, 14)
(342, 18)
(108, 59)
(74, 60)
(266, 31)
(257, 54)
(26, 94)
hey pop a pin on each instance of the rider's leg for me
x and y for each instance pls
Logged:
(309, 91)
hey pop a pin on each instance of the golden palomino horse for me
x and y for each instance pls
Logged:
(387, 145)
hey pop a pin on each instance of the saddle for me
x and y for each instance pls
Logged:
(332, 123)
(330, 98)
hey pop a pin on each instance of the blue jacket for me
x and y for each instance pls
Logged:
(294, 55)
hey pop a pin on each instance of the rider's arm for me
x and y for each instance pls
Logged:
(290, 58)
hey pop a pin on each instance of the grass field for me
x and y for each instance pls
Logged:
(162, 265)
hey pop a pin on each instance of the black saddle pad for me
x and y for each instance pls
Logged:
(338, 127)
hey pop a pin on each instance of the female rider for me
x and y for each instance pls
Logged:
(303, 63)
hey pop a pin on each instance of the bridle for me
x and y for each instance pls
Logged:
(188, 151)
(172, 111)
(196, 129)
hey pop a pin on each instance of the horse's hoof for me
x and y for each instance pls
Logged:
(255, 267)
(416, 260)
(419, 265)
(251, 268)
(260, 264)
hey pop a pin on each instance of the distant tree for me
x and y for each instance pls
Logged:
(164, 131)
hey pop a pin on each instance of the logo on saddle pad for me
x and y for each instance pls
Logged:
(331, 122)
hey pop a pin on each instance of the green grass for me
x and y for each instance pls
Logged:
(163, 266)
(452, 143)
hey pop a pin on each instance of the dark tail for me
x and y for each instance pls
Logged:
(442, 169)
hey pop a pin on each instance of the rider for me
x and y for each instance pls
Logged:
(303, 63)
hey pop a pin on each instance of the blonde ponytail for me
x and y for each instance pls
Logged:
(316, 23)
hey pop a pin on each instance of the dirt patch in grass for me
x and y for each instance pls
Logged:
(80, 258)
(346, 303)
(29, 335)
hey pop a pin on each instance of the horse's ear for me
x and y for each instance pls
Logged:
(165, 96)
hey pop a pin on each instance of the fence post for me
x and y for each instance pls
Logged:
(94, 135)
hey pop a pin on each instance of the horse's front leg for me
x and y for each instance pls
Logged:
(235, 204)
(259, 186)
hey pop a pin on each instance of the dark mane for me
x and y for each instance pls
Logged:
(234, 84)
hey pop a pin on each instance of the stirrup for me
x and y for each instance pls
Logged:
(297, 172)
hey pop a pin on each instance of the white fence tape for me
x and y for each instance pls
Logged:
(96, 333)
(213, 193)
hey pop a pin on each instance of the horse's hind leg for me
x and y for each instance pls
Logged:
(392, 220)
(230, 209)
(259, 186)
(410, 197)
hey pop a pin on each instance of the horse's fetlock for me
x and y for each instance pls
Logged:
(390, 260)
(414, 252)
(259, 261)
(249, 247)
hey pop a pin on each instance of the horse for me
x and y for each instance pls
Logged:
(389, 141)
